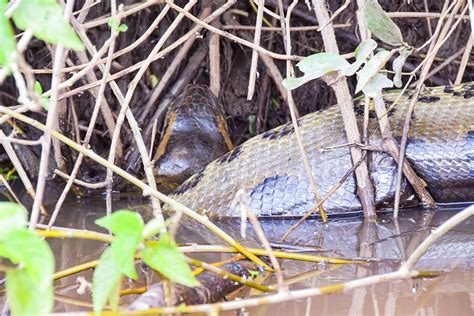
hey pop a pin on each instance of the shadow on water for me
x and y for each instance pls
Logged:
(387, 241)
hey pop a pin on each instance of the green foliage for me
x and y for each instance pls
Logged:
(7, 39)
(373, 66)
(166, 258)
(26, 297)
(127, 226)
(29, 286)
(362, 52)
(154, 80)
(12, 218)
(113, 24)
(45, 101)
(123, 28)
(376, 84)
(370, 80)
(381, 25)
(33, 253)
(118, 260)
(316, 66)
(106, 282)
(46, 20)
(397, 66)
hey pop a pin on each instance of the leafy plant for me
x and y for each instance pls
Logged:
(44, 18)
(119, 259)
(371, 78)
(29, 283)
(45, 101)
(6, 37)
(113, 24)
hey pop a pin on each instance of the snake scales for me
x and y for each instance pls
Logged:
(270, 168)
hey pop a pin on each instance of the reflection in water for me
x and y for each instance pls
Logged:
(390, 240)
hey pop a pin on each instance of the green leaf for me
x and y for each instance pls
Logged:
(362, 52)
(397, 66)
(122, 222)
(166, 258)
(12, 217)
(46, 20)
(38, 88)
(315, 66)
(154, 80)
(45, 101)
(27, 248)
(127, 226)
(123, 28)
(381, 25)
(7, 37)
(25, 296)
(112, 23)
(105, 282)
(372, 68)
(376, 84)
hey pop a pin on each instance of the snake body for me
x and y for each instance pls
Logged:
(269, 167)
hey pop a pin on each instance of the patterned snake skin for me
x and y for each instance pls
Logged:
(270, 168)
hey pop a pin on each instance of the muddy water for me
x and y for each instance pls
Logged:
(451, 293)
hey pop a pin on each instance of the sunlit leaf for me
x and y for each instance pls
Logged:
(371, 68)
(381, 25)
(123, 28)
(27, 248)
(105, 282)
(127, 226)
(7, 39)
(315, 66)
(362, 52)
(12, 217)
(112, 22)
(154, 80)
(45, 101)
(25, 296)
(166, 258)
(46, 20)
(376, 84)
(397, 66)
(122, 222)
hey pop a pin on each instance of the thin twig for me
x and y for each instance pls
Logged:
(231, 36)
(171, 69)
(87, 137)
(242, 197)
(365, 190)
(465, 59)
(424, 71)
(98, 185)
(256, 42)
(285, 23)
(50, 123)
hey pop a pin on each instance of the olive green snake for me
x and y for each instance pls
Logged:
(269, 166)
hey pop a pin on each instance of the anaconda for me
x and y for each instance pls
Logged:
(270, 168)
